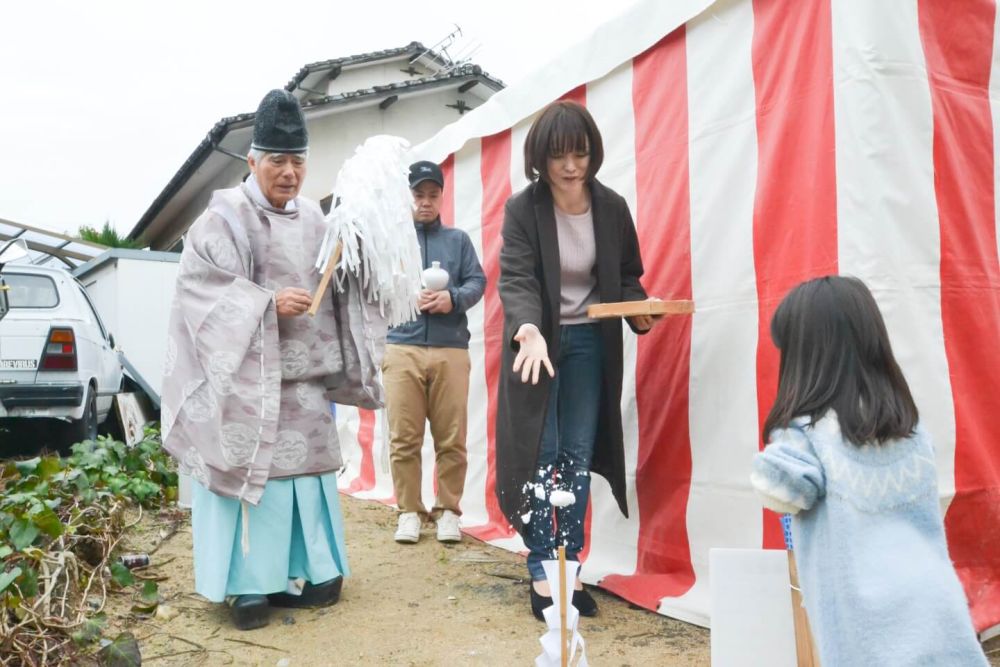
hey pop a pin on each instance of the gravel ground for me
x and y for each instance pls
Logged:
(415, 605)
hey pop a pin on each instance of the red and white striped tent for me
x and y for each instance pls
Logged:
(759, 143)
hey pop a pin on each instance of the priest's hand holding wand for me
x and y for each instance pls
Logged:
(292, 301)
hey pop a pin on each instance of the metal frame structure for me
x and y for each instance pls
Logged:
(48, 248)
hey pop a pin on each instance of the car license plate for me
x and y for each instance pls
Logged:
(18, 364)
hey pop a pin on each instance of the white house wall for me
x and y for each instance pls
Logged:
(101, 287)
(145, 292)
(334, 137)
(133, 298)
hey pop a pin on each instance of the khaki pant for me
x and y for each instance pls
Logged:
(427, 384)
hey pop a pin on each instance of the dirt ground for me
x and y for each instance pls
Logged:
(409, 605)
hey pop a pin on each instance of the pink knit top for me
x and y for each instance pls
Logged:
(578, 264)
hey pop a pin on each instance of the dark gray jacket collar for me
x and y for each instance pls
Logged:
(432, 226)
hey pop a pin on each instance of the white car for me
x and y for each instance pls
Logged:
(56, 358)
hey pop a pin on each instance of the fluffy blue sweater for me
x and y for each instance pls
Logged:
(876, 578)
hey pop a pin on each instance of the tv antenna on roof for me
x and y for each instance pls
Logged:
(440, 53)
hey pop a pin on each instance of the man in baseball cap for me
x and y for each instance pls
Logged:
(425, 171)
(426, 367)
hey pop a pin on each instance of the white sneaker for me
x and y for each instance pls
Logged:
(448, 530)
(408, 531)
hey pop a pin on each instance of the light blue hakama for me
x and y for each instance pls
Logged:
(296, 531)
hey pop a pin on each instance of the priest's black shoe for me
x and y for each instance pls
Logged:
(249, 611)
(539, 602)
(584, 603)
(313, 595)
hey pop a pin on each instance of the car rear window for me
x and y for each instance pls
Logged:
(28, 291)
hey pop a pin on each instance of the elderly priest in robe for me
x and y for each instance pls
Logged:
(249, 378)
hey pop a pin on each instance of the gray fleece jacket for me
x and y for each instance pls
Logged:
(467, 282)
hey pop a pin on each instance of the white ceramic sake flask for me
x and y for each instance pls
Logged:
(435, 278)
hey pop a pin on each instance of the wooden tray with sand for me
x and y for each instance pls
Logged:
(600, 311)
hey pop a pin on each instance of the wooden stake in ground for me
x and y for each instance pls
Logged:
(324, 282)
(805, 649)
(563, 630)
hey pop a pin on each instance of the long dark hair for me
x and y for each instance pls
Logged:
(835, 353)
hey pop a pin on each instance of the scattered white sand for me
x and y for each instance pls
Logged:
(560, 498)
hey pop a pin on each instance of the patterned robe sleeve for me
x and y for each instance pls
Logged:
(787, 475)
(221, 363)
(215, 274)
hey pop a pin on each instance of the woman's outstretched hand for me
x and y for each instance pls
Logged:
(532, 354)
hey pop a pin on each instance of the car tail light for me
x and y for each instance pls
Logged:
(60, 351)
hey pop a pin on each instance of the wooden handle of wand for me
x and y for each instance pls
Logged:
(805, 648)
(563, 630)
(324, 282)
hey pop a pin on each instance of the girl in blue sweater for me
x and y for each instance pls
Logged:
(847, 458)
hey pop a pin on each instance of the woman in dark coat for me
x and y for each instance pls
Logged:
(568, 242)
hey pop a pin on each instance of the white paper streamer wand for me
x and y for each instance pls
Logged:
(370, 232)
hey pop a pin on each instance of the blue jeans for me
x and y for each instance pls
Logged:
(567, 447)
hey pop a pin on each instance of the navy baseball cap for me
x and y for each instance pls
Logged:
(425, 171)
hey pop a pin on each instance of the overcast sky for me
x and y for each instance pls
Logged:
(102, 101)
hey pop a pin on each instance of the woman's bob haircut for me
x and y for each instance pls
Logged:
(562, 127)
